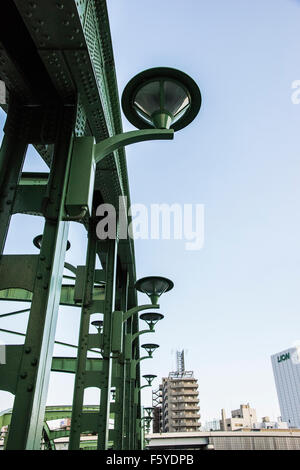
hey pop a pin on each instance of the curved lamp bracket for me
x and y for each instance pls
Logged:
(109, 145)
(137, 309)
(85, 156)
(142, 332)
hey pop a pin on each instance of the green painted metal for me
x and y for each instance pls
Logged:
(142, 332)
(14, 313)
(117, 332)
(66, 91)
(113, 143)
(77, 423)
(137, 309)
(31, 391)
(12, 149)
(82, 177)
(66, 295)
(111, 264)
(119, 370)
(69, 365)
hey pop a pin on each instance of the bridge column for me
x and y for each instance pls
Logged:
(83, 344)
(110, 288)
(119, 366)
(32, 383)
(12, 155)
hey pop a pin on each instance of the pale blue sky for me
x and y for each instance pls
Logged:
(236, 301)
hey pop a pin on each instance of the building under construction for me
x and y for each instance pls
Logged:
(176, 401)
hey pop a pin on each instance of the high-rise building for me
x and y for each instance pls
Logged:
(176, 402)
(286, 369)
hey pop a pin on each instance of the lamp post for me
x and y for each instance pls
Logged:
(135, 404)
(146, 422)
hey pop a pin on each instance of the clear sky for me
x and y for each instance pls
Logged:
(236, 301)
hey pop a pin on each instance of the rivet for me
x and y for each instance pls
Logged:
(34, 362)
(23, 375)
(30, 388)
(28, 350)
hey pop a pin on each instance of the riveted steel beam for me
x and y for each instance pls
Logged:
(31, 389)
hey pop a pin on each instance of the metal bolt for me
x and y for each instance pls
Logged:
(28, 350)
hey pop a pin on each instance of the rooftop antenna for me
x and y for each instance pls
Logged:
(180, 362)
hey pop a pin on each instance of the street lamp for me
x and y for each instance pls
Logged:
(149, 410)
(149, 378)
(154, 287)
(98, 324)
(150, 348)
(161, 97)
(158, 102)
(151, 319)
(37, 241)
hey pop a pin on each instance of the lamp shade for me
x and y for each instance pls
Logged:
(149, 376)
(161, 97)
(37, 241)
(151, 318)
(150, 347)
(149, 410)
(98, 324)
(154, 286)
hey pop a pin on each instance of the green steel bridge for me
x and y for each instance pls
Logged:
(56, 61)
